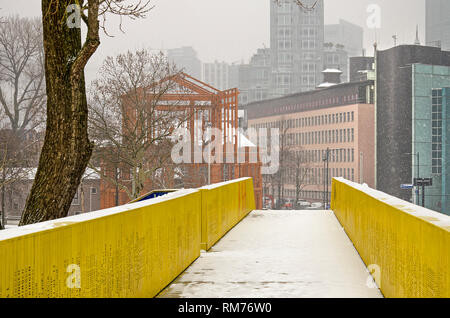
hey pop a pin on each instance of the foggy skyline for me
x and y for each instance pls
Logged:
(233, 30)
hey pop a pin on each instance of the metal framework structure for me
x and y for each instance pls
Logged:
(207, 107)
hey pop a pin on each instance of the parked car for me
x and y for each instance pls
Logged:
(317, 205)
(303, 204)
(288, 204)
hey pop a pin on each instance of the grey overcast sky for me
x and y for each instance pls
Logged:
(232, 30)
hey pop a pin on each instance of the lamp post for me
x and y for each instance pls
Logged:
(418, 174)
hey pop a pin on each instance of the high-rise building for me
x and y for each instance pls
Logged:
(335, 57)
(254, 78)
(348, 35)
(438, 23)
(342, 39)
(412, 137)
(185, 58)
(217, 74)
(296, 41)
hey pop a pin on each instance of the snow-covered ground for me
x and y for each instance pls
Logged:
(278, 254)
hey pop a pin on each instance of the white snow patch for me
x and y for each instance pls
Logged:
(221, 184)
(278, 254)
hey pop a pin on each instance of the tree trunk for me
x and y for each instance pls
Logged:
(66, 150)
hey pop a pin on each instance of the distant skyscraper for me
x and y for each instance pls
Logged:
(254, 78)
(296, 41)
(350, 35)
(335, 57)
(438, 23)
(186, 58)
(217, 74)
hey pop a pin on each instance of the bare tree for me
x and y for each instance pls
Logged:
(132, 124)
(22, 84)
(297, 168)
(67, 149)
(14, 165)
(304, 4)
(294, 166)
(22, 99)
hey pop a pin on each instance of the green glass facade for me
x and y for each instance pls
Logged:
(431, 133)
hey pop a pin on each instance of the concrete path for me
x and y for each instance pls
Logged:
(273, 254)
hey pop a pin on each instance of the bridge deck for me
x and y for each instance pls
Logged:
(278, 254)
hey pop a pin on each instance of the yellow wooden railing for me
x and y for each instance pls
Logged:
(133, 250)
(406, 247)
(224, 206)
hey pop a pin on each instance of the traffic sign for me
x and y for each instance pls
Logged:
(423, 182)
(406, 186)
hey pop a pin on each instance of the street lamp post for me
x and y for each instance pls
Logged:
(418, 174)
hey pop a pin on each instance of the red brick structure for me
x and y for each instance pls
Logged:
(207, 106)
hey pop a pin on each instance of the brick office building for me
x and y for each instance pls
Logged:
(339, 118)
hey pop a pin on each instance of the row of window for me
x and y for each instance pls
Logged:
(334, 155)
(284, 20)
(321, 137)
(329, 119)
(284, 44)
(304, 32)
(436, 130)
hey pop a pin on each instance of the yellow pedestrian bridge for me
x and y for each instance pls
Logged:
(210, 242)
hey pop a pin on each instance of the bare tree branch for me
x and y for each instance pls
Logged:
(301, 3)
(131, 127)
(22, 83)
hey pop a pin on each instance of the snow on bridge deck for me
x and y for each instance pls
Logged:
(273, 254)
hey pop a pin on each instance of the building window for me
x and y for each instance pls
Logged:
(76, 200)
(436, 135)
